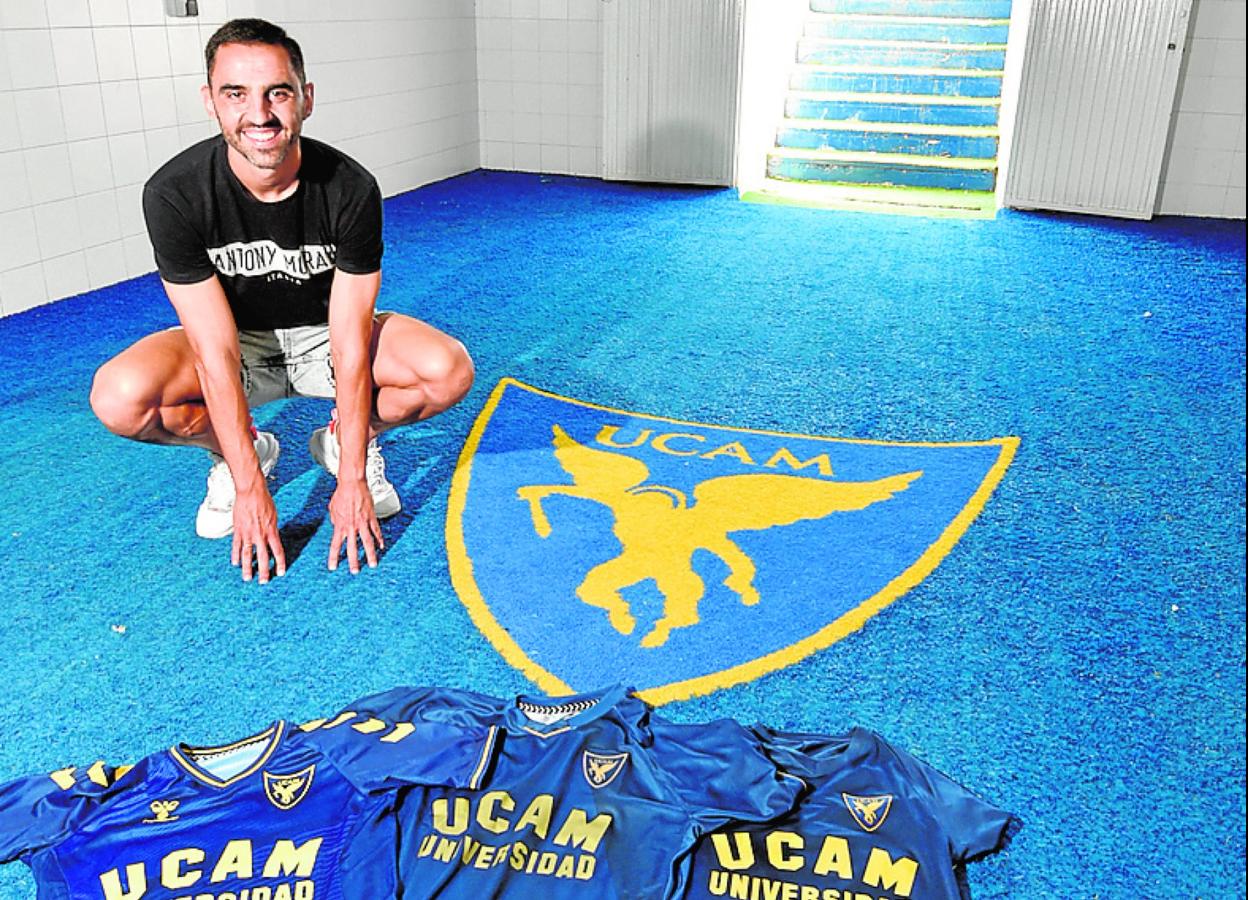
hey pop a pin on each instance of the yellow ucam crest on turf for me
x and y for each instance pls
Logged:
(692, 556)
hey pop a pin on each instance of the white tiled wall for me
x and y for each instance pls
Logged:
(396, 83)
(540, 69)
(96, 94)
(1203, 174)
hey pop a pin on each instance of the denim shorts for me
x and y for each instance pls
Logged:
(286, 362)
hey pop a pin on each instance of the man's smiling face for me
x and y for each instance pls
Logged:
(258, 101)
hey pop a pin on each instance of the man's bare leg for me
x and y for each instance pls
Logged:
(418, 371)
(150, 392)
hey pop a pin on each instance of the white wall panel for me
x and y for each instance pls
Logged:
(14, 189)
(670, 74)
(159, 108)
(90, 166)
(20, 247)
(56, 225)
(31, 63)
(1098, 84)
(39, 116)
(1203, 173)
(97, 216)
(66, 275)
(540, 90)
(68, 13)
(10, 136)
(23, 288)
(73, 50)
(106, 264)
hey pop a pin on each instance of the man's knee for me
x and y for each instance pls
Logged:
(447, 374)
(118, 401)
(462, 373)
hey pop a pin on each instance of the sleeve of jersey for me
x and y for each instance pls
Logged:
(359, 234)
(181, 256)
(37, 812)
(975, 827)
(722, 774)
(450, 706)
(381, 755)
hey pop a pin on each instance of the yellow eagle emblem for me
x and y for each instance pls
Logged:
(602, 768)
(660, 530)
(285, 791)
(868, 812)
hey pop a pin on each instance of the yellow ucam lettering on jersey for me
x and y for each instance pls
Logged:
(223, 876)
(533, 842)
(787, 852)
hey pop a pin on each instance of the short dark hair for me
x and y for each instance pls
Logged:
(254, 31)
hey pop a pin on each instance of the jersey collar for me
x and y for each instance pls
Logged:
(265, 743)
(817, 755)
(546, 717)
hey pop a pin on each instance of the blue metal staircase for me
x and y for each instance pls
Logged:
(894, 105)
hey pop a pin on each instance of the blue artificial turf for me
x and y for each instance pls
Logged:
(1078, 658)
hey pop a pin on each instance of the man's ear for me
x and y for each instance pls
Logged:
(205, 94)
(307, 99)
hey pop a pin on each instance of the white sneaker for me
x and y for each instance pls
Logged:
(323, 445)
(216, 514)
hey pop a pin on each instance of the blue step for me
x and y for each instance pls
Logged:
(948, 31)
(809, 78)
(867, 110)
(888, 199)
(911, 142)
(820, 51)
(971, 9)
(843, 171)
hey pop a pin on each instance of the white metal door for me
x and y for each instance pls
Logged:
(670, 75)
(1098, 86)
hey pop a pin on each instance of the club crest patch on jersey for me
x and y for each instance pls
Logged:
(692, 556)
(602, 768)
(285, 791)
(868, 812)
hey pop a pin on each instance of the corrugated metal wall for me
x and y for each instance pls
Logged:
(1098, 85)
(670, 75)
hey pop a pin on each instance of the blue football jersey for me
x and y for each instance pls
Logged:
(292, 813)
(877, 824)
(587, 797)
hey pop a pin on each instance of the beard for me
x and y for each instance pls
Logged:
(263, 157)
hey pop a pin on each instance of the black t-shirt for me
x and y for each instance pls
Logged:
(275, 260)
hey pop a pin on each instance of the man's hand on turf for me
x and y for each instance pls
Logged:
(256, 538)
(355, 525)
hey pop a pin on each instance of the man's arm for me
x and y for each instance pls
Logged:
(213, 336)
(351, 303)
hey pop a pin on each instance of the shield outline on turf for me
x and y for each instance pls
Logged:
(461, 571)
